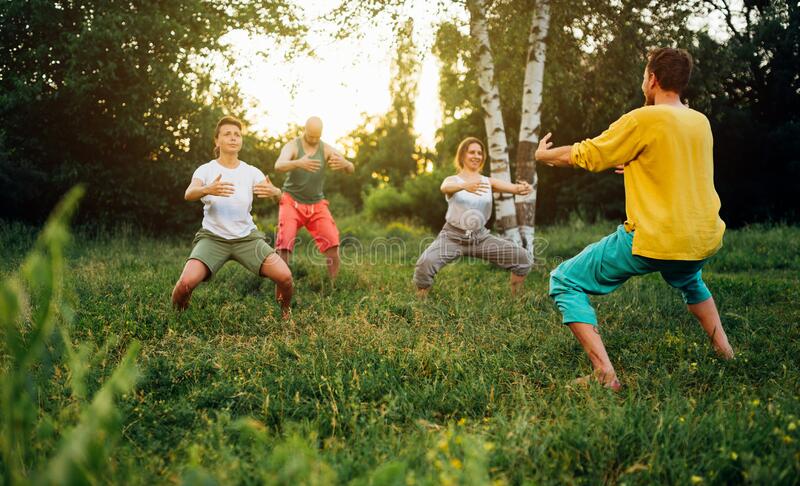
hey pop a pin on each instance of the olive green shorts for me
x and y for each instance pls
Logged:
(214, 251)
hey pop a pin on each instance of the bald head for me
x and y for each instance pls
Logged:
(313, 130)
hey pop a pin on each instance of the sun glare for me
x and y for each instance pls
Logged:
(342, 83)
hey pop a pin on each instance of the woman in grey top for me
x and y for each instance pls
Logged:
(469, 199)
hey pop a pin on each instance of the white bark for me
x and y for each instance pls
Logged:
(531, 121)
(504, 209)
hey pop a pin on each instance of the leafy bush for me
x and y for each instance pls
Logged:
(33, 316)
(419, 200)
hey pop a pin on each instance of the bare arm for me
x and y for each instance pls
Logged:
(451, 186)
(337, 161)
(285, 162)
(558, 156)
(197, 190)
(265, 188)
(521, 188)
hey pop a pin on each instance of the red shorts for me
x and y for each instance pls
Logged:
(316, 217)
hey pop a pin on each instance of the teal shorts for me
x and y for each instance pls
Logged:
(603, 266)
(250, 251)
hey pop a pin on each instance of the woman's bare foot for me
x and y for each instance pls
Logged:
(724, 353)
(517, 283)
(181, 295)
(286, 312)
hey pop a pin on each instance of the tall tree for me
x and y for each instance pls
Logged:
(530, 124)
(505, 211)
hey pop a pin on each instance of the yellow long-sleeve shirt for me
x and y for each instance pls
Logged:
(670, 198)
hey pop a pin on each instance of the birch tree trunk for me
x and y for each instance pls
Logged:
(531, 121)
(504, 209)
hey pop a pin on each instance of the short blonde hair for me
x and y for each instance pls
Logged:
(462, 151)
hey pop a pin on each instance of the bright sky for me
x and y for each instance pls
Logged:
(345, 79)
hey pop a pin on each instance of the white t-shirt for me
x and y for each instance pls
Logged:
(229, 217)
(469, 211)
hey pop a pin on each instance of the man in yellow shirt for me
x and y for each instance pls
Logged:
(665, 151)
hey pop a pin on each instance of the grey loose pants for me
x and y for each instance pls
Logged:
(453, 242)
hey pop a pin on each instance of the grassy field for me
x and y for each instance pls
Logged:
(367, 386)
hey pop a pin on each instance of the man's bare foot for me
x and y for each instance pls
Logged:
(423, 293)
(612, 383)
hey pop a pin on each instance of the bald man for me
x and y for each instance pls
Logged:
(303, 203)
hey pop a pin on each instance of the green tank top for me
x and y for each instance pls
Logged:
(306, 187)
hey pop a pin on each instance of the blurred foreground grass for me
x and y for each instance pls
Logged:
(368, 386)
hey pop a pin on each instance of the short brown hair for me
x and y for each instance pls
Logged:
(671, 67)
(225, 120)
(462, 151)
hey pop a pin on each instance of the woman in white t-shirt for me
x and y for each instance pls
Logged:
(469, 207)
(226, 186)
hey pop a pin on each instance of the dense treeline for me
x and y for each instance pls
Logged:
(121, 96)
(747, 85)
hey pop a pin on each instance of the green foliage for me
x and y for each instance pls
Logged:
(462, 115)
(385, 145)
(32, 306)
(749, 85)
(419, 200)
(122, 96)
(387, 203)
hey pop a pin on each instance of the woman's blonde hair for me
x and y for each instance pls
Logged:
(225, 120)
(462, 151)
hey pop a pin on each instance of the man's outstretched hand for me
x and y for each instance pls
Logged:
(337, 162)
(307, 164)
(558, 156)
(544, 146)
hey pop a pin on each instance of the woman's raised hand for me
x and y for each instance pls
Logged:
(523, 188)
(266, 189)
(477, 187)
(219, 188)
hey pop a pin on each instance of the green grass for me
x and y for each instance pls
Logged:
(368, 386)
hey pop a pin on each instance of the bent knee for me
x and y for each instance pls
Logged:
(557, 286)
(424, 272)
(423, 276)
(189, 283)
(284, 279)
(522, 263)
